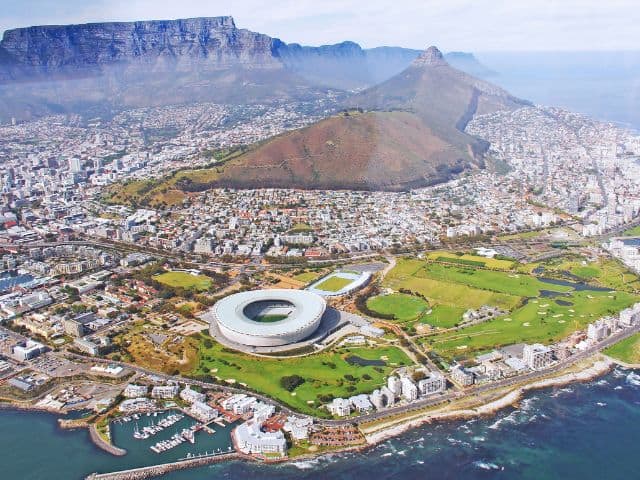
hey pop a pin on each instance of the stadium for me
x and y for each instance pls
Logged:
(268, 318)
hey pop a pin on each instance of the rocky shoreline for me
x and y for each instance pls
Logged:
(511, 398)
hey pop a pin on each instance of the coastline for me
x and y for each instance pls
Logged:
(599, 368)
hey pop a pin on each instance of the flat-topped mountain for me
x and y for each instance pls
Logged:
(103, 67)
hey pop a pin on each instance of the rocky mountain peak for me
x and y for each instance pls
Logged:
(431, 57)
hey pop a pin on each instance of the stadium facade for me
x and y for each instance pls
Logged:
(269, 318)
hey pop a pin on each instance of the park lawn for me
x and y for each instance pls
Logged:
(404, 307)
(184, 280)
(333, 284)
(403, 276)
(443, 316)
(264, 374)
(627, 351)
(540, 320)
(632, 232)
(307, 277)
(502, 282)
(487, 262)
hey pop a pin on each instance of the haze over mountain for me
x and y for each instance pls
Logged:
(407, 132)
(100, 67)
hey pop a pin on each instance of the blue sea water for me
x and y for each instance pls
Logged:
(603, 85)
(583, 432)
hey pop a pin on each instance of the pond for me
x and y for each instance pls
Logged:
(577, 286)
(363, 362)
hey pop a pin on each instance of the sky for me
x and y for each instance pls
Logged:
(469, 25)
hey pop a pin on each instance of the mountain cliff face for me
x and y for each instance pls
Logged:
(179, 45)
(105, 67)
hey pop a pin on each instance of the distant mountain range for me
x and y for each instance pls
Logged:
(100, 67)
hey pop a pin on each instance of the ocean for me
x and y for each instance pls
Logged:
(603, 85)
(582, 431)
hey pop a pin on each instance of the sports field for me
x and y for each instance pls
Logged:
(184, 280)
(404, 307)
(334, 284)
(324, 373)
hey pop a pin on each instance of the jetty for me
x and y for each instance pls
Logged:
(163, 469)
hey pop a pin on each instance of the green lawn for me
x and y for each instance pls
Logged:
(502, 282)
(469, 259)
(323, 373)
(632, 232)
(307, 277)
(333, 284)
(404, 307)
(443, 316)
(627, 351)
(269, 318)
(184, 280)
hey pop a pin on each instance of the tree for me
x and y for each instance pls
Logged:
(291, 382)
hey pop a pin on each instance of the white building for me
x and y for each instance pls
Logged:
(433, 383)
(461, 376)
(135, 391)
(537, 356)
(28, 350)
(340, 407)
(190, 396)
(598, 331)
(298, 427)
(250, 439)
(409, 389)
(202, 411)
(630, 316)
(165, 391)
(395, 385)
(361, 403)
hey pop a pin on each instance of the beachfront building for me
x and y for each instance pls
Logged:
(340, 407)
(433, 383)
(598, 331)
(409, 389)
(298, 427)
(132, 405)
(202, 411)
(135, 391)
(537, 356)
(165, 391)
(250, 439)
(630, 316)
(361, 403)
(462, 376)
(394, 385)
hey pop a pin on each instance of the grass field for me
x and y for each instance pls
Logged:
(307, 277)
(627, 351)
(632, 232)
(184, 280)
(443, 256)
(404, 307)
(333, 284)
(443, 316)
(269, 318)
(541, 320)
(324, 373)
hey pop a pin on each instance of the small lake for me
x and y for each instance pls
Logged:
(578, 286)
(363, 362)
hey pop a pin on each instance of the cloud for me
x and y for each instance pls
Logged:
(480, 25)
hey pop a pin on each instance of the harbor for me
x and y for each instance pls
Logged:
(170, 436)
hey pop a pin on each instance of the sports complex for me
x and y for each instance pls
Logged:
(268, 318)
